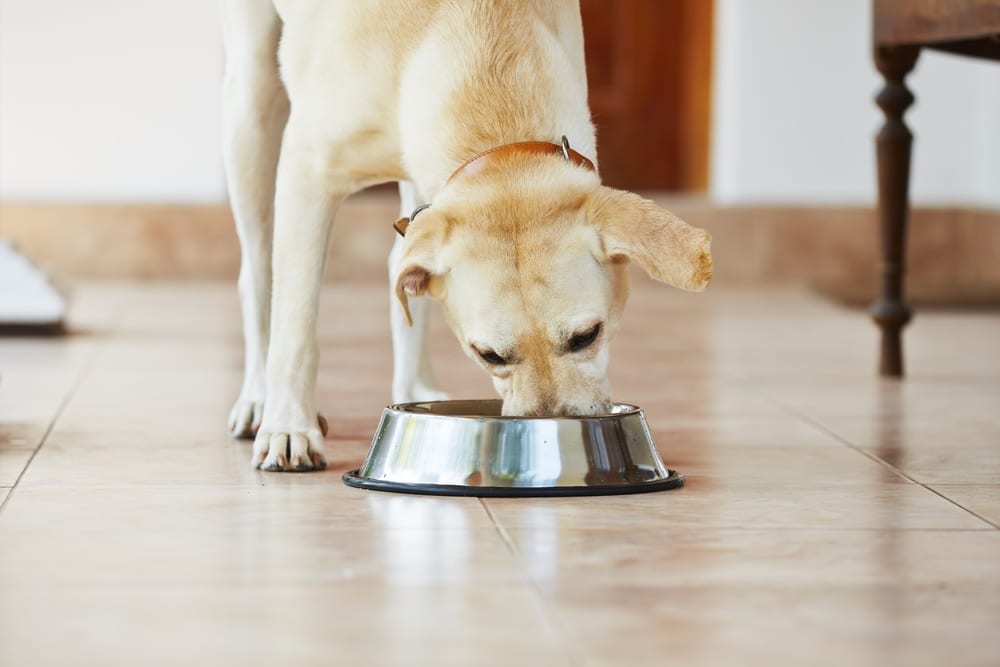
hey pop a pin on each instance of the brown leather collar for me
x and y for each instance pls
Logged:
(479, 162)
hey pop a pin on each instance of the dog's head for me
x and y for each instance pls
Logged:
(530, 264)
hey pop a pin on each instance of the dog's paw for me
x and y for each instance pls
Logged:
(244, 418)
(418, 393)
(290, 450)
(246, 415)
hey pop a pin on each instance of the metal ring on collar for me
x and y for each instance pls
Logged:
(418, 210)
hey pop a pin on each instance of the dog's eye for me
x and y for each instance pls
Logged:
(491, 357)
(584, 340)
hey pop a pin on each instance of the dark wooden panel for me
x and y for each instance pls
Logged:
(649, 71)
(922, 21)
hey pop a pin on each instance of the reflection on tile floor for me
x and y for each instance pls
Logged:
(829, 517)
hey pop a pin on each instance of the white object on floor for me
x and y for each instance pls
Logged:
(27, 296)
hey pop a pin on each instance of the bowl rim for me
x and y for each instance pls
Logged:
(406, 409)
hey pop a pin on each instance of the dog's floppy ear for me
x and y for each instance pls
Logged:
(666, 247)
(420, 270)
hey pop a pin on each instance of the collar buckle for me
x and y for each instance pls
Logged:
(404, 222)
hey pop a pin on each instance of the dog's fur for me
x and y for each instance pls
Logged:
(527, 255)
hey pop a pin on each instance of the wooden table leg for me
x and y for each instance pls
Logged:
(893, 144)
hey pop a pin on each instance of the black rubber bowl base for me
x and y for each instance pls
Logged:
(352, 478)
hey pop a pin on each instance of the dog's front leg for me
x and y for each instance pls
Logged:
(412, 376)
(306, 199)
(255, 108)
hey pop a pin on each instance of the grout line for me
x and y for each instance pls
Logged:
(41, 441)
(575, 656)
(85, 368)
(504, 535)
(850, 445)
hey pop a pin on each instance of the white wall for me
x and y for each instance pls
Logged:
(110, 100)
(118, 100)
(794, 117)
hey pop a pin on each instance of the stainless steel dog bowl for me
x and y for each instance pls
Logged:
(465, 448)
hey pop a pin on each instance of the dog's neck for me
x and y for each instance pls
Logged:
(498, 157)
(520, 78)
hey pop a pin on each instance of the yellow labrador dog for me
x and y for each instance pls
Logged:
(466, 103)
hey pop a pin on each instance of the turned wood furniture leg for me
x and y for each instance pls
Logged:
(893, 144)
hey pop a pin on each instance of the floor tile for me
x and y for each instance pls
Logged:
(876, 434)
(160, 557)
(344, 624)
(737, 431)
(682, 556)
(797, 539)
(315, 502)
(26, 434)
(959, 465)
(923, 401)
(983, 499)
(740, 466)
(710, 504)
(766, 625)
(12, 462)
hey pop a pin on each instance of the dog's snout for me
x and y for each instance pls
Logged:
(567, 410)
(547, 412)
(544, 409)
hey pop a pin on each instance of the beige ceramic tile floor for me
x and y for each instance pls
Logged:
(828, 518)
